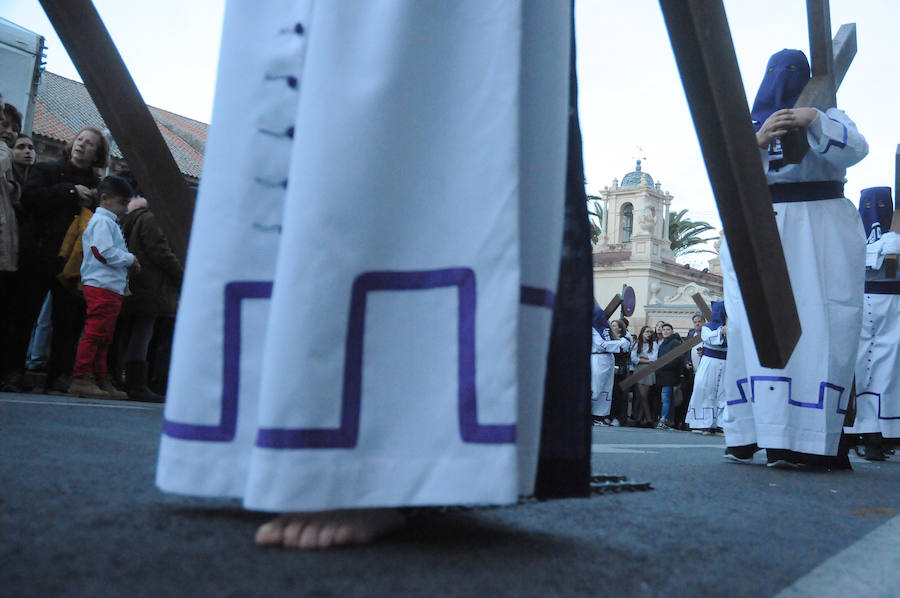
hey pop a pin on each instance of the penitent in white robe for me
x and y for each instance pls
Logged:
(603, 369)
(367, 302)
(708, 399)
(802, 406)
(878, 359)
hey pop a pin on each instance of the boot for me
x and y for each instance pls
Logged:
(84, 386)
(113, 392)
(57, 385)
(136, 383)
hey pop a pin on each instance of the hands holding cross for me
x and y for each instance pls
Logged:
(783, 121)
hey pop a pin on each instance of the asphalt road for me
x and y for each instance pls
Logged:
(80, 516)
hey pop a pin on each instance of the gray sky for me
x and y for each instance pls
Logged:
(630, 92)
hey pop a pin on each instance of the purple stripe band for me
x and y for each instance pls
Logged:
(235, 293)
(346, 436)
(536, 296)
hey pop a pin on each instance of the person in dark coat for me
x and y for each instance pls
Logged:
(53, 195)
(669, 376)
(154, 293)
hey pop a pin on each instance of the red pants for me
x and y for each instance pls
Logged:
(103, 308)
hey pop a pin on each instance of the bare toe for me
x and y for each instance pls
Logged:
(271, 533)
(309, 539)
(294, 530)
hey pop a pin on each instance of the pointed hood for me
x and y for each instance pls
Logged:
(786, 75)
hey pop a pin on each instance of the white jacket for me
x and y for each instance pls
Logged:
(106, 258)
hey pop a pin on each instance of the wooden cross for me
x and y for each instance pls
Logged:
(890, 260)
(701, 41)
(672, 355)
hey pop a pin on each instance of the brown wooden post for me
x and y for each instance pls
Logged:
(890, 260)
(111, 87)
(701, 41)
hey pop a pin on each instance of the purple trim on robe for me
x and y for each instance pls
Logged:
(235, 293)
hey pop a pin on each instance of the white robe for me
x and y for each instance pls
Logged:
(802, 406)
(878, 358)
(350, 331)
(708, 397)
(603, 368)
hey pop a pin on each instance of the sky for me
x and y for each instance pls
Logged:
(631, 101)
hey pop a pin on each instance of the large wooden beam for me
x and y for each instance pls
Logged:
(660, 363)
(890, 260)
(117, 98)
(701, 41)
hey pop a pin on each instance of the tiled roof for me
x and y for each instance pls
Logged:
(63, 106)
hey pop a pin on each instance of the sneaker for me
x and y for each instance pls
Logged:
(740, 454)
(661, 425)
(615, 423)
(874, 452)
(698, 431)
(84, 386)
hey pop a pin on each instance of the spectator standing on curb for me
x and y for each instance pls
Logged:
(10, 123)
(53, 194)
(104, 274)
(668, 376)
(154, 294)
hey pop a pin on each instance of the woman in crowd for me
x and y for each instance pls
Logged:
(23, 157)
(643, 353)
(154, 294)
(53, 195)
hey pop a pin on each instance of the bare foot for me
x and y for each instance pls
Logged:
(329, 529)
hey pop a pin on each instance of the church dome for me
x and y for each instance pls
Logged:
(633, 179)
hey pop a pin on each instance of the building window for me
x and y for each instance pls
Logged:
(627, 222)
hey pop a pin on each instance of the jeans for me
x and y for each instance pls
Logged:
(666, 395)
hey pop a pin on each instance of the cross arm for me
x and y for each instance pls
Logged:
(612, 306)
(820, 90)
(702, 306)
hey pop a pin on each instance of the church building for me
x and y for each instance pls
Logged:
(634, 250)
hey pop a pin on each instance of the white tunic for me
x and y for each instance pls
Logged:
(708, 398)
(801, 407)
(603, 364)
(366, 308)
(878, 359)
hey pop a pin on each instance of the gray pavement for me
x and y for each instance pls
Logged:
(80, 516)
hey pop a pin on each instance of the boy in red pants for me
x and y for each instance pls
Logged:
(104, 273)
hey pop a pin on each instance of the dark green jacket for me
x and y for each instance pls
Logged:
(155, 289)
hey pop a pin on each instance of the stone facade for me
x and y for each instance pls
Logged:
(633, 249)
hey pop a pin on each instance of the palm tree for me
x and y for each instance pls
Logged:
(595, 218)
(684, 234)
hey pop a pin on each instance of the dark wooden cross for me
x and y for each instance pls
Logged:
(890, 260)
(701, 41)
(674, 354)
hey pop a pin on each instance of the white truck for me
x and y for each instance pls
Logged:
(21, 65)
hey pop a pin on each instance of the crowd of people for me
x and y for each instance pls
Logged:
(685, 394)
(87, 250)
